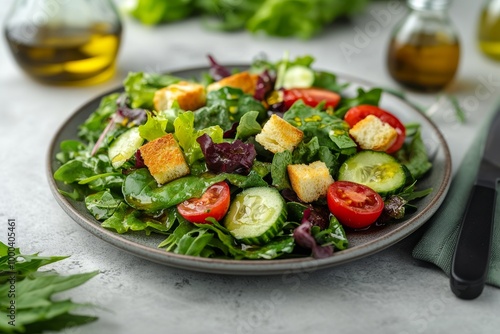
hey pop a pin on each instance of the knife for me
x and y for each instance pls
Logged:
(472, 252)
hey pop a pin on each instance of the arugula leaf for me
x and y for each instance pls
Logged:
(331, 131)
(278, 246)
(226, 106)
(92, 128)
(279, 170)
(36, 309)
(333, 235)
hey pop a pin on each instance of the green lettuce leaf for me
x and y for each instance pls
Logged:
(141, 87)
(186, 135)
(153, 128)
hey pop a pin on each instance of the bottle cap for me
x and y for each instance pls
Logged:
(429, 4)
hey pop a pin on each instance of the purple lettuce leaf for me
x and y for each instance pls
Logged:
(265, 84)
(303, 237)
(217, 71)
(236, 157)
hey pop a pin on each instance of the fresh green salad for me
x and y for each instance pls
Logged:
(270, 161)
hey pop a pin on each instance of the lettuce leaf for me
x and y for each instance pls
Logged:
(141, 87)
(186, 135)
(153, 128)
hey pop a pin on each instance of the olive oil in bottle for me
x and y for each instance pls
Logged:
(424, 51)
(66, 56)
(489, 30)
(65, 42)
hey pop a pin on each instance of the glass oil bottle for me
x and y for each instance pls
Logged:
(424, 50)
(64, 42)
(489, 29)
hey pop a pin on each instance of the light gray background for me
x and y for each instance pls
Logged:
(389, 292)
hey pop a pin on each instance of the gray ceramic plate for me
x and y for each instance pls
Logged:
(362, 243)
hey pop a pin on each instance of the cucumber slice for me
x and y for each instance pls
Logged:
(124, 147)
(256, 215)
(298, 76)
(377, 170)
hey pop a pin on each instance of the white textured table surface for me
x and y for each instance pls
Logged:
(388, 292)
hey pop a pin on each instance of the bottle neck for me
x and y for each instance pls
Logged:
(429, 5)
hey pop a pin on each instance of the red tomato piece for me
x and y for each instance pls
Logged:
(311, 97)
(355, 205)
(213, 203)
(356, 114)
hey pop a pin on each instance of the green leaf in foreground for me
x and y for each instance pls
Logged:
(31, 292)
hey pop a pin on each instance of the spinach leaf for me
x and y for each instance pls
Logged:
(70, 149)
(95, 172)
(142, 192)
(102, 204)
(125, 218)
(328, 81)
(371, 97)
(414, 156)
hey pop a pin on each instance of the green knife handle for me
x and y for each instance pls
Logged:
(471, 258)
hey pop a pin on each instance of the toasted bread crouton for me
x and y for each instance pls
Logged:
(310, 182)
(243, 80)
(373, 134)
(278, 135)
(189, 95)
(164, 159)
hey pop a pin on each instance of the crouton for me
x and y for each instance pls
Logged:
(373, 134)
(189, 95)
(310, 182)
(243, 80)
(278, 135)
(164, 159)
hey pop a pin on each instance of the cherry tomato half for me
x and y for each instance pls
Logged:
(311, 97)
(213, 203)
(355, 205)
(356, 114)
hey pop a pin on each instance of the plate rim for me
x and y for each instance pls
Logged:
(249, 267)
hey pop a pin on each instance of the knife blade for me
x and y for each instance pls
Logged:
(472, 252)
